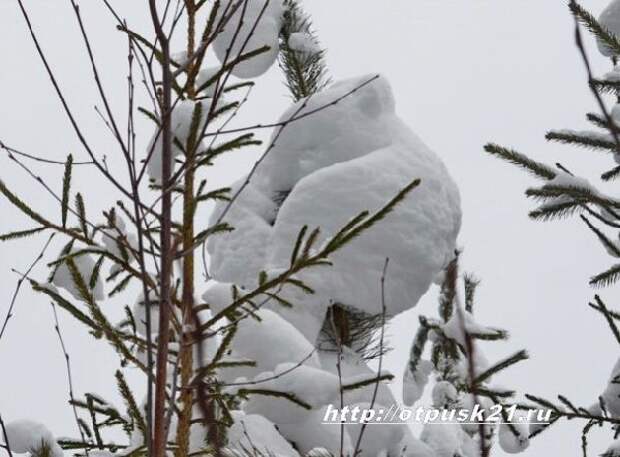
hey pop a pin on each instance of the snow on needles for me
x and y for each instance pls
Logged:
(610, 20)
(27, 436)
(303, 42)
(181, 125)
(252, 25)
(611, 396)
(85, 265)
(326, 168)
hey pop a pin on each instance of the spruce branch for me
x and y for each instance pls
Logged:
(132, 405)
(500, 366)
(21, 234)
(305, 71)
(245, 392)
(606, 278)
(593, 140)
(559, 209)
(65, 304)
(66, 186)
(510, 155)
(417, 347)
(609, 245)
(581, 15)
(611, 174)
(471, 285)
(609, 316)
(590, 22)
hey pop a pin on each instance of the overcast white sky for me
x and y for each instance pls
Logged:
(463, 72)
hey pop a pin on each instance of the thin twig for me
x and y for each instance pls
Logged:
(381, 344)
(7, 445)
(69, 375)
(20, 282)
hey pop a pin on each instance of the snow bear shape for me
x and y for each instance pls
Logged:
(341, 152)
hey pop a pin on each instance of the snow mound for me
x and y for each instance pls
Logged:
(415, 383)
(139, 314)
(376, 438)
(353, 366)
(448, 440)
(613, 450)
(511, 442)
(253, 25)
(85, 265)
(181, 127)
(303, 42)
(312, 433)
(325, 168)
(461, 323)
(444, 394)
(611, 394)
(280, 342)
(313, 386)
(259, 436)
(119, 239)
(28, 436)
(410, 446)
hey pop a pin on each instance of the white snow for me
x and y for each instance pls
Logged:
(269, 342)
(481, 364)
(447, 439)
(410, 446)
(341, 160)
(611, 394)
(444, 394)
(615, 113)
(613, 450)
(139, 314)
(85, 266)
(255, 433)
(256, 23)
(205, 75)
(415, 383)
(309, 384)
(613, 75)
(280, 341)
(181, 126)
(28, 436)
(303, 42)
(112, 237)
(610, 20)
(463, 322)
(319, 452)
(272, 341)
(592, 135)
(467, 402)
(376, 439)
(566, 180)
(312, 433)
(353, 366)
(511, 443)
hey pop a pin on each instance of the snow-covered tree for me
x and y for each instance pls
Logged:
(564, 192)
(345, 221)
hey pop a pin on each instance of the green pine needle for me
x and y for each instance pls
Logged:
(20, 234)
(66, 188)
(510, 155)
(590, 22)
(305, 72)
